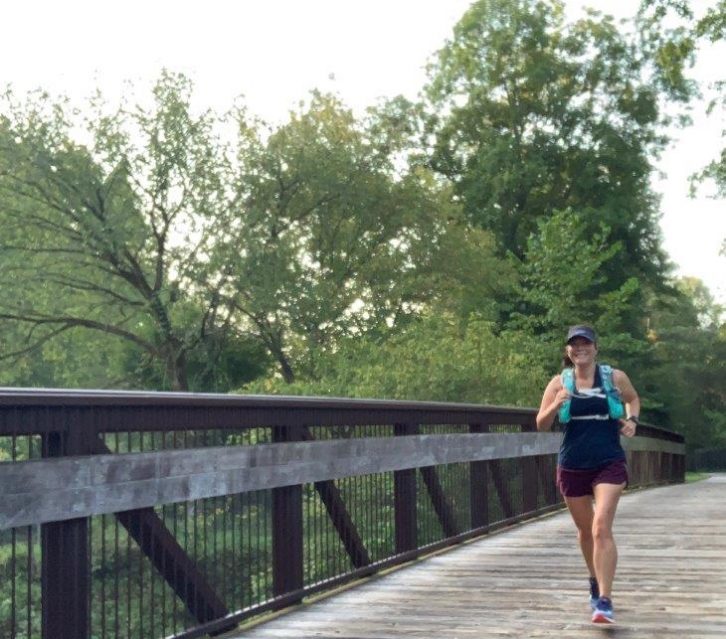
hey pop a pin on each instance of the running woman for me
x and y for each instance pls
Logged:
(591, 463)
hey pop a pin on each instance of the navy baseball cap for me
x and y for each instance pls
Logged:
(581, 331)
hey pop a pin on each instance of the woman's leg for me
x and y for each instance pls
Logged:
(582, 514)
(605, 554)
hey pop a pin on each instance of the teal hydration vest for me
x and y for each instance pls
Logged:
(615, 404)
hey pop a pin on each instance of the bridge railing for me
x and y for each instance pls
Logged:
(159, 514)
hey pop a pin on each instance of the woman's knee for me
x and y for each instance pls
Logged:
(601, 530)
(584, 533)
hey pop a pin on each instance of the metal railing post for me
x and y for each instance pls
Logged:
(479, 486)
(65, 574)
(404, 497)
(530, 483)
(287, 528)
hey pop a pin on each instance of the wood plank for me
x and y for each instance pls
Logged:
(55, 490)
(41, 491)
(530, 581)
(654, 445)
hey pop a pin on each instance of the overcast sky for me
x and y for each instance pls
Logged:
(275, 51)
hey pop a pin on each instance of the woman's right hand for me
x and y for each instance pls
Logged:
(562, 396)
(554, 396)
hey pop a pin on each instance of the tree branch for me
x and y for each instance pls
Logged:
(67, 322)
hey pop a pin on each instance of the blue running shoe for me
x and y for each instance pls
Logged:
(594, 593)
(603, 612)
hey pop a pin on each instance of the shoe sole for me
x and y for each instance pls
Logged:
(602, 619)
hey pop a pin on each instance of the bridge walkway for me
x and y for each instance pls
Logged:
(530, 581)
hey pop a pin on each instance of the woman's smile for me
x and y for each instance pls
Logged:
(581, 349)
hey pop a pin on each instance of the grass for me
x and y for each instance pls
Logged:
(694, 476)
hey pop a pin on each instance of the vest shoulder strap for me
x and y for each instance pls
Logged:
(567, 377)
(615, 403)
(606, 375)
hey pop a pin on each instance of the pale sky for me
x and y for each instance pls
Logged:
(275, 51)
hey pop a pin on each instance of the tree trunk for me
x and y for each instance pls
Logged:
(287, 373)
(176, 368)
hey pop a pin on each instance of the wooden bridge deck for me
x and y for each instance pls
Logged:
(530, 581)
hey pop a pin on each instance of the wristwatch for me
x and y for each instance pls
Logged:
(632, 418)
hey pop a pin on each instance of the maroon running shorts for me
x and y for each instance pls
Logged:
(578, 483)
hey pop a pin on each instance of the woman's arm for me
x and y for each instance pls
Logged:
(554, 396)
(631, 400)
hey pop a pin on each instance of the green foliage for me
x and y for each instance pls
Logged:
(685, 376)
(565, 282)
(530, 115)
(20, 581)
(688, 337)
(468, 277)
(713, 23)
(105, 236)
(192, 250)
(434, 358)
(712, 26)
(674, 32)
(667, 39)
(422, 251)
(333, 235)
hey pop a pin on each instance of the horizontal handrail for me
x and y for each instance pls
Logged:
(120, 411)
(89, 397)
(166, 411)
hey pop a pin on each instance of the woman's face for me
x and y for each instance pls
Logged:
(581, 350)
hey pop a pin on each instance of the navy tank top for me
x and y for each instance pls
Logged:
(592, 438)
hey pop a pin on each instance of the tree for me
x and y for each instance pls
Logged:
(193, 245)
(685, 381)
(530, 115)
(676, 31)
(564, 265)
(334, 234)
(435, 357)
(77, 358)
(110, 235)
(712, 26)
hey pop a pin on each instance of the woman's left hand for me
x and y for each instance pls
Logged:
(627, 427)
